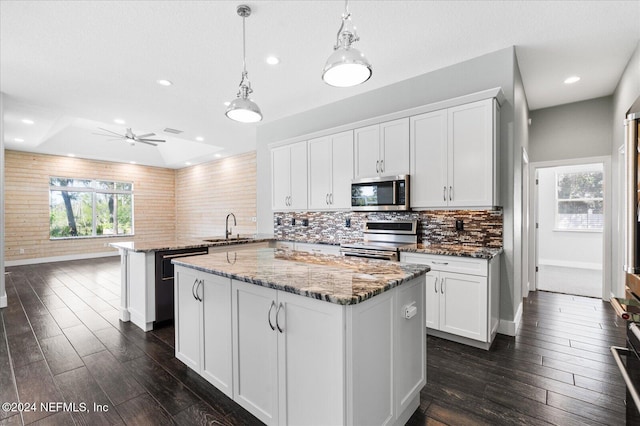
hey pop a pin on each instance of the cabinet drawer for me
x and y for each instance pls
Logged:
(318, 248)
(462, 265)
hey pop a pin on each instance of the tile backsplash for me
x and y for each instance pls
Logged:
(482, 228)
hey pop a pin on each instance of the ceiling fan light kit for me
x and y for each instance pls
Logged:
(346, 66)
(243, 109)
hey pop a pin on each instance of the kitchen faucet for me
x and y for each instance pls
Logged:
(227, 232)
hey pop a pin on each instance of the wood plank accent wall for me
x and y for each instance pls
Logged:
(206, 193)
(27, 203)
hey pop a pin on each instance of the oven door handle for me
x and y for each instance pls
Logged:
(616, 351)
(368, 256)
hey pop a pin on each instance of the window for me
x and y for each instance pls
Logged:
(89, 208)
(579, 199)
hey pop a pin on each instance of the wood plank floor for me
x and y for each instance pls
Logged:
(61, 340)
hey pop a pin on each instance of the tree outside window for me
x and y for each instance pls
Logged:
(89, 208)
(579, 200)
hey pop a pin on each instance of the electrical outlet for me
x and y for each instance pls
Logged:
(305, 222)
(293, 221)
(21, 251)
(459, 225)
(347, 222)
(279, 221)
(253, 219)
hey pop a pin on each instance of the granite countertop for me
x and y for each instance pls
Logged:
(336, 279)
(187, 243)
(455, 250)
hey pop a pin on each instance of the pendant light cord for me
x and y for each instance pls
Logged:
(244, 48)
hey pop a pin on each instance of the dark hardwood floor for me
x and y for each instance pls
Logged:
(61, 341)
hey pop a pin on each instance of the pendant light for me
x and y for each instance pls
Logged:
(243, 109)
(346, 66)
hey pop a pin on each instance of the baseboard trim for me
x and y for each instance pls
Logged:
(510, 328)
(570, 264)
(59, 258)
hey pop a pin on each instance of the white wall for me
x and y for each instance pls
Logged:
(3, 293)
(557, 247)
(495, 69)
(576, 130)
(627, 92)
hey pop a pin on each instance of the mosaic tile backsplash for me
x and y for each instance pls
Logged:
(482, 228)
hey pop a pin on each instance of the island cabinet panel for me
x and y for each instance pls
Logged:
(310, 361)
(255, 349)
(203, 326)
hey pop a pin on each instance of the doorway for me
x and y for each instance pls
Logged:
(571, 226)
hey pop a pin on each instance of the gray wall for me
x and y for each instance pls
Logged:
(576, 130)
(3, 293)
(627, 92)
(492, 70)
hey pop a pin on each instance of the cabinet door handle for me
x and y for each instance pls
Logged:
(435, 286)
(451, 193)
(441, 285)
(273, 303)
(381, 166)
(378, 166)
(326, 199)
(280, 306)
(331, 198)
(444, 193)
(439, 263)
(201, 283)
(192, 289)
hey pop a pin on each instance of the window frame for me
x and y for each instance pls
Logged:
(94, 188)
(558, 200)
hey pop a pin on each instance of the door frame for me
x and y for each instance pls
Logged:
(606, 231)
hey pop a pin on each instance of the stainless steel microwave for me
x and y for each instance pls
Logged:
(390, 193)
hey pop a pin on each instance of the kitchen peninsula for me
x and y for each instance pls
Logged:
(302, 338)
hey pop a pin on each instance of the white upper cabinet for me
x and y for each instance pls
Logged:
(331, 171)
(454, 157)
(289, 177)
(382, 149)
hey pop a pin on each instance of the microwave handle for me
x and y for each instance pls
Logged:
(394, 201)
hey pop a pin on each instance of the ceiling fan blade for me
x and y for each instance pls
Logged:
(148, 143)
(146, 135)
(151, 140)
(103, 134)
(107, 130)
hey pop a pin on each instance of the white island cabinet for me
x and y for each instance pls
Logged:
(297, 360)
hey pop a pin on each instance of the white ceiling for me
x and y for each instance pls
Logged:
(74, 66)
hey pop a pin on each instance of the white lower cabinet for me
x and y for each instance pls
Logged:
(203, 325)
(295, 360)
(462, 297)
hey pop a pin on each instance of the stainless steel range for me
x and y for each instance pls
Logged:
(383, 239)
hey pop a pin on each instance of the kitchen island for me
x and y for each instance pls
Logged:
(302, 338)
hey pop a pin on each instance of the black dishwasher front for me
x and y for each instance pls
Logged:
(164, 280)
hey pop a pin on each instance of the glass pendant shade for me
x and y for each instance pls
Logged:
(244, 111)
(346, 67)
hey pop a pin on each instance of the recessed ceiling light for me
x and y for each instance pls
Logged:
(132, 162)
(27, 121)
(187, 163)
(572, 79)
(199, 138)
(18, 140)
(227, 103)
(218, 155)
(273, 60)
(119, 121)
(71, 155)
(164, 82)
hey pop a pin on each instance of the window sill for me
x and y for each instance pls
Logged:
(586, 231)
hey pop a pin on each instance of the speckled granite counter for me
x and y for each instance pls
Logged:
(455, 250)
(336, 279)
(187, 243)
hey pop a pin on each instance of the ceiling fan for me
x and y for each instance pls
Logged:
(130, 137)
